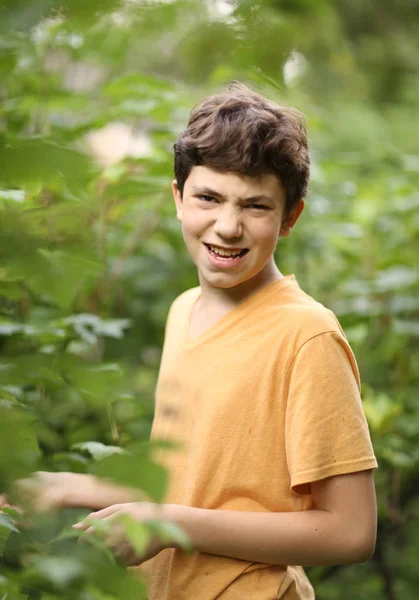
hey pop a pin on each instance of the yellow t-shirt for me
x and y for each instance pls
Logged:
(263, 403)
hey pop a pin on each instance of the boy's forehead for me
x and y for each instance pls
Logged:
(233, 183)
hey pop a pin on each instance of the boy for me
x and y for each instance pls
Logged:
(257, 380)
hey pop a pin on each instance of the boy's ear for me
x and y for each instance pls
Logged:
(178, 200)
(291, 219)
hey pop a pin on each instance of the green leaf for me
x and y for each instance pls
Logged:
(6, 528)
(63, 274)
(97, 450)
(12, 195)
(381, 412)
(406, 327)
(6, 521)
(136, 472)
(4, 536)
(10, 328)
(170, 532)
(90, 326)
(8, 56)
(97, 539)
(395, 278)
(9, 393)
(138, 534)
(60, 571)
(44, 163)
(18, 445)
(399, 459)
(11, 512)
(19, 15)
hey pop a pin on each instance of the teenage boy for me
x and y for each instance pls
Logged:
(257, 380)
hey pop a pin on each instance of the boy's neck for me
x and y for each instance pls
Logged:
(232, 296)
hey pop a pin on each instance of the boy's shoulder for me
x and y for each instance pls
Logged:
(295, 320)
(291, 307)
(183, 303)
(186, 298)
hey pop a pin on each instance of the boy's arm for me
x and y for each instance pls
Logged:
(45, 491)
(339, 529)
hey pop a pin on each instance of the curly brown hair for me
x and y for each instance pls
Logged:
(241, 131)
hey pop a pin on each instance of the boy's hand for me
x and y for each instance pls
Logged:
(109, 523)
(16, 513)
(4, 503)
(45, 491)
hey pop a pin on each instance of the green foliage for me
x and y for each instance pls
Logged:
(92, 97)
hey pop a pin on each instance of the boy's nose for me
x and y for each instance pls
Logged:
(228, 224)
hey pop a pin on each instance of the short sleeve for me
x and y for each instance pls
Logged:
(326, 432)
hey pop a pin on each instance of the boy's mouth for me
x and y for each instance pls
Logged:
(226, 253)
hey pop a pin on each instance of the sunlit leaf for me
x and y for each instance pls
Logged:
(381, 412)
(97, 450)
(136, 472)
(12, 195)
(60, 571)
(396, 277)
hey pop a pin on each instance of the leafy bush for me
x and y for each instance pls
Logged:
(93, 94)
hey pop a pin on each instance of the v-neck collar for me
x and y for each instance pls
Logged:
(233, 314)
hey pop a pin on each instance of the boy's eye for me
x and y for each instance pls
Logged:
(205, 198)
(259, 206)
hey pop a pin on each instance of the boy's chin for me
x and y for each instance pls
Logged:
(222, 281)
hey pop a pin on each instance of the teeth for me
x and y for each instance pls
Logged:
(223, 252)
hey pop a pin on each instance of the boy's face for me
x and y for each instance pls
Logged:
(224, 213)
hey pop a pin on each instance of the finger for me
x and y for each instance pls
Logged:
(109, 510)
(84, 538)
(4, 502)
(112, 538)
(98, 515)
(87, 523)
(83, 525)
(88, 533)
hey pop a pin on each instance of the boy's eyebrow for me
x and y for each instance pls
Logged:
(206, 191)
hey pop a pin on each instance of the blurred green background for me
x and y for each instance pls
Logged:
(92, 96)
